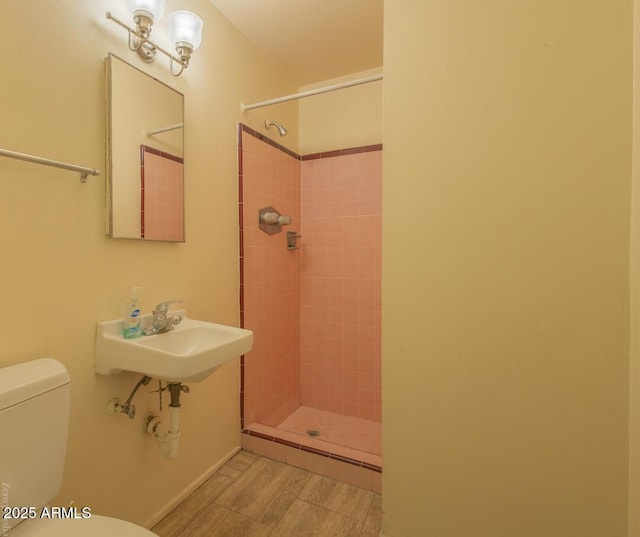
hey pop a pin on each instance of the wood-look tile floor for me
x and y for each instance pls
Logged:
(252, 496)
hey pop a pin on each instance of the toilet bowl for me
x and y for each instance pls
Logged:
(96, 526)
(34, 420)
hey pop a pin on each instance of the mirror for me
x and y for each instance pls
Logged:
(145, 179)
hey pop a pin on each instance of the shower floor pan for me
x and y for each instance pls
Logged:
(354, 433)
(340, 436)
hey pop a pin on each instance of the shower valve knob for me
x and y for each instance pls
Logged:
(270, 218)
(271, 221)
(275, 219)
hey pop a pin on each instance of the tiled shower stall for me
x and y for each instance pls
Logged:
(315, 311)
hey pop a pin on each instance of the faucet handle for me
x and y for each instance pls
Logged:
(163, 307)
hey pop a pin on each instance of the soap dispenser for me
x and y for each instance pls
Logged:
(131, 328)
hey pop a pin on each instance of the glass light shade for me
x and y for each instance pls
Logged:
(151, 8)
(186, 28)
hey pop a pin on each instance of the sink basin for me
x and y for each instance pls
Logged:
(190, 352)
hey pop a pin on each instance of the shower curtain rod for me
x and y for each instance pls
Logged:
(165, 129)
(309, 93)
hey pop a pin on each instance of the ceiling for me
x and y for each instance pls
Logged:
(313, 40)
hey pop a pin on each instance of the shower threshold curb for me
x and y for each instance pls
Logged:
(315, 451)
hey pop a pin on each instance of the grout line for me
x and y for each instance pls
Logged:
(366, 517)
(293, 501)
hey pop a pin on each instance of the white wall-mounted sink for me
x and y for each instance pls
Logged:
(190, 352)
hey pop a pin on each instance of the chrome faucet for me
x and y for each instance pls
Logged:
(161, 323)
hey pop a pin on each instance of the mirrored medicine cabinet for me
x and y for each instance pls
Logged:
(145, 148)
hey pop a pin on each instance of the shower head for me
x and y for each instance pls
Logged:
(281, 130)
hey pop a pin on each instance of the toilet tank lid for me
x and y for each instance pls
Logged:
(24, 381)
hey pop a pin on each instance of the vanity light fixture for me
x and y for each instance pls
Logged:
(145, 13)
(185, 31)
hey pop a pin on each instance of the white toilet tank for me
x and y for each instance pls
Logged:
(34, 422)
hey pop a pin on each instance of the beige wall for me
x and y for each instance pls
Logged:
(60, 274)
(634, 370)
(505, 268)
(351, 117)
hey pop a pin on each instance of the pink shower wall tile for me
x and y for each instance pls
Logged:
(340, 283)
(315, 312)
(162, 201)
(271, 378)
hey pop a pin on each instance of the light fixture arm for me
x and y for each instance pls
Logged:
(173, 61)
(146, 49)
(140, 44)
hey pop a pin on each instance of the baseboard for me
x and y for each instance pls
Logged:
(158, 516)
